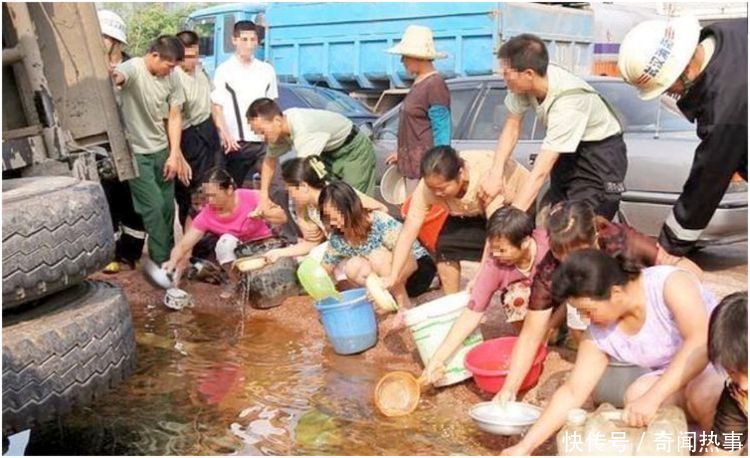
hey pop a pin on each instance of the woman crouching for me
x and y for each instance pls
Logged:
(656, 318)
(363, 242)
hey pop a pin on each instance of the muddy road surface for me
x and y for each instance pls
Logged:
(223, 379)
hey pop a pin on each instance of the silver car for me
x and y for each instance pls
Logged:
(661, 144)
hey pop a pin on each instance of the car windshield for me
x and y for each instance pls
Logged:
(323, 99)
(640, 115)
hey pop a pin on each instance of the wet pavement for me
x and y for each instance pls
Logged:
(222, 379)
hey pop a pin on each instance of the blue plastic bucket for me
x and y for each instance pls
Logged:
(350, 323)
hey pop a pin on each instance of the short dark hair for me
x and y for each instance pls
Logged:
(188, 38)
(263, 108)
(168, 47)
(443, 161)
(244, 26)
(219, 176)
(525, 51)
(727, 333)
(592, 274)
(512, 224)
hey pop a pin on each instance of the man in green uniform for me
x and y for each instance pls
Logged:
(346, 152)
(151, 95)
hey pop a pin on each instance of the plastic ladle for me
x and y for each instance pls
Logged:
(397, 393)
(316, 281)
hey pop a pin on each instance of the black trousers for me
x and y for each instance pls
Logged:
(125, 220)
(202, 149)
(594, 174)
(245, 162)
(709, 177)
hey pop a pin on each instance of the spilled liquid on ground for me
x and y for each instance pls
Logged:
(234, 383)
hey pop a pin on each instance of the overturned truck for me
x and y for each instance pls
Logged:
(66, 339)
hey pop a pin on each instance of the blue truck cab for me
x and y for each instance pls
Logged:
(214, 26)
(343, 45)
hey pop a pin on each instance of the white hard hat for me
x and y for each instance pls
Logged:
(112, 25)
(654, 54)
(417, 42)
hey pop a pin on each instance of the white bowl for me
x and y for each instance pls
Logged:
(511, 419)
(393, 186)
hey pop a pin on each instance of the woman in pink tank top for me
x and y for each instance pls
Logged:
(656, 317)
(230, 214)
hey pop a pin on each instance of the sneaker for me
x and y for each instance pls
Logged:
(112, 268)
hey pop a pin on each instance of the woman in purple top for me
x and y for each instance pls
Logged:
(657, 318)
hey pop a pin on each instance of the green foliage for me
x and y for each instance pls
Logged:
(146, 21)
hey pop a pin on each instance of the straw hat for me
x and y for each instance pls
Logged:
(417, 42)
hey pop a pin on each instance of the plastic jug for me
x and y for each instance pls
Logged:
(316, 281)
(602, 433)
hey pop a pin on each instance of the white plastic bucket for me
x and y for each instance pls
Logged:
(430, 323)
(393, 186)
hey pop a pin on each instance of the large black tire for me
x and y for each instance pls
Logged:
(66, 351)
(56, 231)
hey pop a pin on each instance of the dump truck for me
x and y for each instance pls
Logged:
(66, 339)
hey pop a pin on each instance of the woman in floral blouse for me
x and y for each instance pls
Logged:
(362, 242)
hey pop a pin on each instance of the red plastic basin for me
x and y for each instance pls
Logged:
(489, 363)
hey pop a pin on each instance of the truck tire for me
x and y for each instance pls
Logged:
(56, 231)
(66, 351)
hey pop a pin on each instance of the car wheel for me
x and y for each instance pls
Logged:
(65, 351)
(56, 231)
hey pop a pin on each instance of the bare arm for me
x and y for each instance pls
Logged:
(371, 204)
(682, 296)
(183, 248)
(176, 166)
(274, 215)
(118, 78)
(466, 323)
(506, 143)
(532, 335)
(298, 249)
(406, 238)
(539, 174)
(267, 171)
(589, 368)
(217, 112)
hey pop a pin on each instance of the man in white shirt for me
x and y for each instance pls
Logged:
(238, 82)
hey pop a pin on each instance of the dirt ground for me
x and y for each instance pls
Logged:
(726, 269)
(395, 349)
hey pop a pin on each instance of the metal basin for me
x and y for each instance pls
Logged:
(615, 381)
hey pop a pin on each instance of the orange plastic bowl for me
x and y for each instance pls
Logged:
(397, 393)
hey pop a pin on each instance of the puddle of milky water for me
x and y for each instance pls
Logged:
(215, 384)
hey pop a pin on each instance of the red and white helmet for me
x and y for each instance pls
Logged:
(654, 54)
(112, 25)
